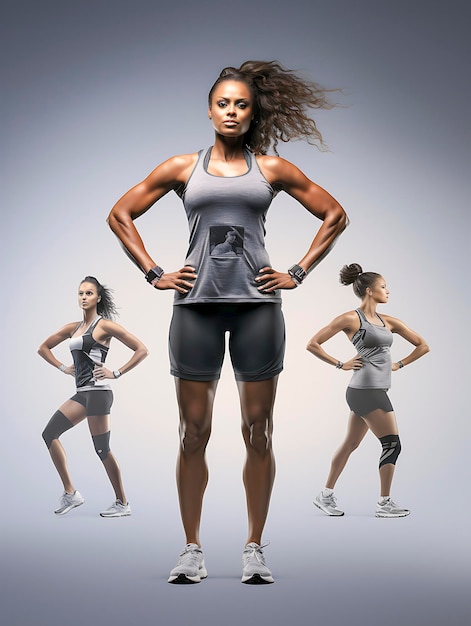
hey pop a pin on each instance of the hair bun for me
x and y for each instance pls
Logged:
(349, 273)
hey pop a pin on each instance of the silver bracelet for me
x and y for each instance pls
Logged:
(339, 365)
(401, 364)
(62, 367)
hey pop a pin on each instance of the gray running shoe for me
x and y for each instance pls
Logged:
(328, 504)
(190, 567)
(117, 509)
(255, 571)
(388, 508)
(69, 501)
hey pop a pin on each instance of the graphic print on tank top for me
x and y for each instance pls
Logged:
(226, 240)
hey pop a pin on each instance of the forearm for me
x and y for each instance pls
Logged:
(317, 350)
(131, 242)
(48, 356)
(418, 352)
(139, 355)
(325, 239)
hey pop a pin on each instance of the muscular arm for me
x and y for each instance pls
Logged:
(107, 329)
(45, 349)
(421, 346)
(313, 198)
(167, 176)
(349, 324)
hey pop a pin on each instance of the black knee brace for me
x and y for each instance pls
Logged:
(391, 449)
(57, 425)
(102, 444)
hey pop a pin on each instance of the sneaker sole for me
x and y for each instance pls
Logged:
(257, 579)
(183, 579)
(116, 514)
(326, 511)
(69, 508)
(391, 515)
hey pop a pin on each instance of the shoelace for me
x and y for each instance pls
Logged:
(190, 554)
(256, 552)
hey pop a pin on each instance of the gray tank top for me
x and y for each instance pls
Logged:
(226, 218)
(372, 343)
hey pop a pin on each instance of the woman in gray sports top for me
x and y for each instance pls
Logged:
(370, 407)
(89, 342)
(227, 283)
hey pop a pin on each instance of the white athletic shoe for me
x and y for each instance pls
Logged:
(69, 501)
(255, 570)
(386, 507)
(117, 509)
(190, 567)
(328, 504)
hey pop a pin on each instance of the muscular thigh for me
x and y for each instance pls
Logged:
(381, 423)
(74, 411)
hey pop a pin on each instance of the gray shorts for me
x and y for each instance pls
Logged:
(96, 402)
(363, 401)
(197, 340)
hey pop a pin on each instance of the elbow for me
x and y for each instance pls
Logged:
(111, 221)
(311, 347)
(342, 220)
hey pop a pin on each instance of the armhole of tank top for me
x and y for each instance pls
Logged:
(180, 191)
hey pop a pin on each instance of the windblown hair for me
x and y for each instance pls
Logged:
(282, 100)
(354, 275)
(106, 307)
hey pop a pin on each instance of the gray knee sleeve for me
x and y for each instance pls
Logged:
(57, 425)
(102, 444)
(391, 449)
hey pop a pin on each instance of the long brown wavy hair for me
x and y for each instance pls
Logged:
(282, 99)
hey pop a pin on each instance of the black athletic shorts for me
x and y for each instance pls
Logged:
(197, 340)
(363, 401)
(96, 402)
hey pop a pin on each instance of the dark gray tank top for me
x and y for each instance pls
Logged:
(226, 218)
(372, 343)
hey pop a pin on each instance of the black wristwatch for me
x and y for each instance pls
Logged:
(297, 273)
(154, 273)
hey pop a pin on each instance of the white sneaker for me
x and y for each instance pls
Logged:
(69, 501)
(255, 571)
(328, 504)
(117, 509)
(190, 567)
(386, 507)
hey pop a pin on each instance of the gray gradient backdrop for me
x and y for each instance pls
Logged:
(95, 94)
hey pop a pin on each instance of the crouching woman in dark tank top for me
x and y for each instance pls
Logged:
(228, 284)
(370, 407)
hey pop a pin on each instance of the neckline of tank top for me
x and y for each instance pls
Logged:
(207, 158)
(382, 325)
(91, 325)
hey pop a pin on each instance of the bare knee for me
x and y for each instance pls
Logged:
(193, 437)
(258, 436)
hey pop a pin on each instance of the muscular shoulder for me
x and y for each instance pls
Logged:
(176, 169)
(391, 322)
(278, 171)
(349, 322)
